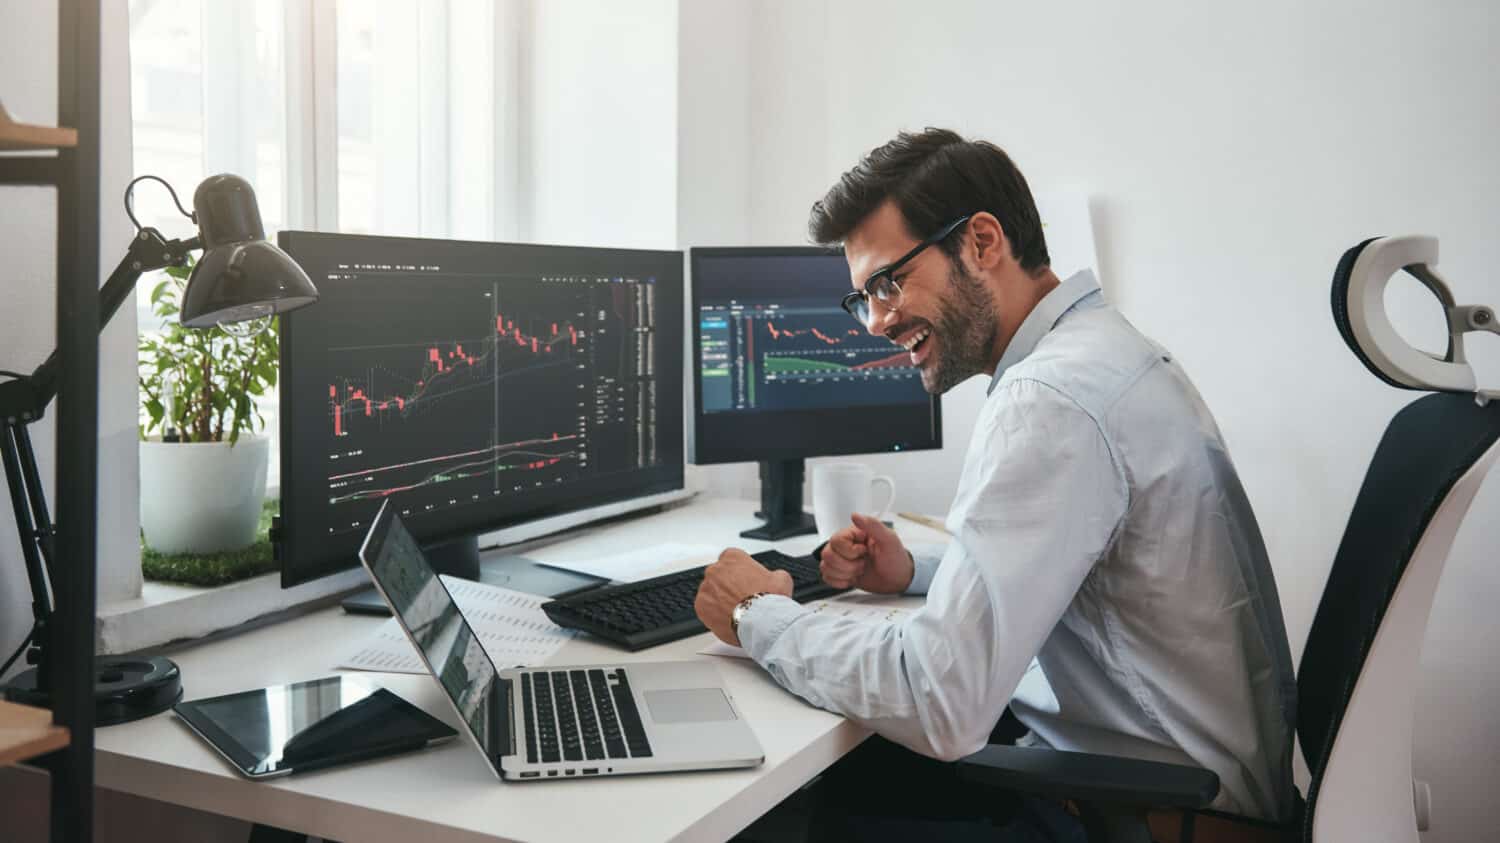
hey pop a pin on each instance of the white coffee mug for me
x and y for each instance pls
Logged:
(843, 488)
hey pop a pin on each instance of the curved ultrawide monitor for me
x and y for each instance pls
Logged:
(477, 386)
(782, 372)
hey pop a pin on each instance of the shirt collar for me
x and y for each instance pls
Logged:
(1047, 313)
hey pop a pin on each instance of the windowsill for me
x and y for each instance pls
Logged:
(168, 612)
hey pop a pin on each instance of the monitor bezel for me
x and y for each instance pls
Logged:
(298, 561)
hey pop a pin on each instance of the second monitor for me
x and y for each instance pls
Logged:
(782, 373)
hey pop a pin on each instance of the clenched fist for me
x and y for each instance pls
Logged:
(728, 581)
(867, 555)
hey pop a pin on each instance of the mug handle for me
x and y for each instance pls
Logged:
(890, 499)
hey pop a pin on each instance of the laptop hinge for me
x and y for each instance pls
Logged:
(506, 722)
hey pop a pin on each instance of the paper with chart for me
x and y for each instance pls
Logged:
(860, 607)
(510, 625)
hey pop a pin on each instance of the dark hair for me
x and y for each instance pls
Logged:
(935, 177)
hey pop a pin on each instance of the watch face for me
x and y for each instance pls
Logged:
(739, 612)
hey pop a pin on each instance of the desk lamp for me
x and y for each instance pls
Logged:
(240, 277)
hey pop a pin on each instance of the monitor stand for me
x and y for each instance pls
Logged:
(781, 502)
(461, 558)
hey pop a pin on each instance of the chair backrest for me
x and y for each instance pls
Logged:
(1357, 684)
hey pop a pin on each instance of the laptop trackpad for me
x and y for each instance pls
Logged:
(688, 705)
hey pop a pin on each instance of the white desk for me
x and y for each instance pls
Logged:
(448, 793)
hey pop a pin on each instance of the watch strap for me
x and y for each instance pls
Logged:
(739, 611)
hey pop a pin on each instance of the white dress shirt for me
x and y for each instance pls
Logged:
(1106, 579)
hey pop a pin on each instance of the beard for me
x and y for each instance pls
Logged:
(967, 323)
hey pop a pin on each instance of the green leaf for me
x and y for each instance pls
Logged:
(219, 379)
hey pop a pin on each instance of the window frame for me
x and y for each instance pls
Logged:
(310, 125)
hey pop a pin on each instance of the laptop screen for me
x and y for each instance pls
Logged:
(426, 611)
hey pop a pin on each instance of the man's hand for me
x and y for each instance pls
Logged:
(867, 555)
(728, 581)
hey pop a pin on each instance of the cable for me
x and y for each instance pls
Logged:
(9, 374)
(130, 201)
(19, 650)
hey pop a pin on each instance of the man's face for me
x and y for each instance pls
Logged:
(947, 319)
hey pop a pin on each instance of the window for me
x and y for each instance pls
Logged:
(191, 119)
(362, 116)
(416, 118)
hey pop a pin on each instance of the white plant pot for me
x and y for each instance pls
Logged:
(202, 497)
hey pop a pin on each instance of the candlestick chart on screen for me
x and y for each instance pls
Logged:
(486, 388)
(775, 356)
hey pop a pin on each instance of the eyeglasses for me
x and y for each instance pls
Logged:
(883, 286)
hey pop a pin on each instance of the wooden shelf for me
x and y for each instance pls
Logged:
(26, 732)
(19, 136)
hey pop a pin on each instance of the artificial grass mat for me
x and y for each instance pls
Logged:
(210, 569)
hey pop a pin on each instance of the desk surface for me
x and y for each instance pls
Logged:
(448, 793)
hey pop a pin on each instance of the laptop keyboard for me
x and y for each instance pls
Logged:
(573, 715)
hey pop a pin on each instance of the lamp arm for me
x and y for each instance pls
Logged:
(225, 214)
(32, 521)
(149, 251)
(24, 400)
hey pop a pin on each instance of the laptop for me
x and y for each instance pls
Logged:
(569, 721)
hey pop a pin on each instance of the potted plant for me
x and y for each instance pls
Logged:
(203, 471)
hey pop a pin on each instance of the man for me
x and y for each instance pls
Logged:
(1106, 579)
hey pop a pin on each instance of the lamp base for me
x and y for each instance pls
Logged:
(126, 688)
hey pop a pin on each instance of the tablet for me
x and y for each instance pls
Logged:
(307, 725)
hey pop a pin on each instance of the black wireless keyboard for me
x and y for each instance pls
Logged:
(643, 614)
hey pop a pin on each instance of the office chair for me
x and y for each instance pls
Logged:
(1356, 683)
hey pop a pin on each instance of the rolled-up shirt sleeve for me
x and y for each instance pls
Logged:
(1035, 511)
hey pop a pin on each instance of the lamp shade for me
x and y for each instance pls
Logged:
(241, 275)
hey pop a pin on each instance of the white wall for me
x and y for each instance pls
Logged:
(714, 144)
(599, 123)
(1233, 153)
(28, 87)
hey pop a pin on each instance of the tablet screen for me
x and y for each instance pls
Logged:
(309, 724)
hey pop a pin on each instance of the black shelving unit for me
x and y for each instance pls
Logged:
(74, 172)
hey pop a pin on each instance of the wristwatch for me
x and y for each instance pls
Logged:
(739, 611)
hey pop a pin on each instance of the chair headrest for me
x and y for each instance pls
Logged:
(1359, 284)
